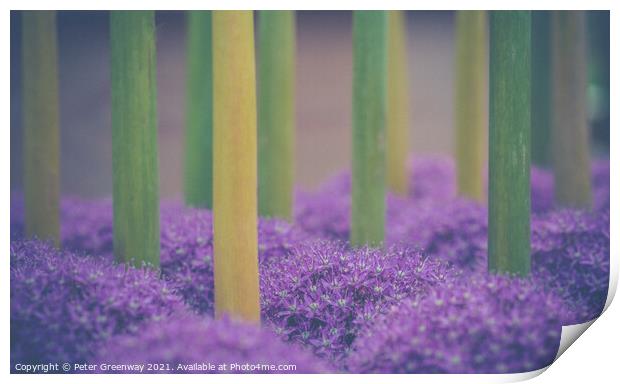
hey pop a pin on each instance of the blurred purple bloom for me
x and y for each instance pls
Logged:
(484, 324)
(570, 254)
(186, 342)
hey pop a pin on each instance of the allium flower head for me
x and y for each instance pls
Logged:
(63, 306)
(85, 225)
(484, 324)
(570, 254)
(543, 198)
(186, 342)
(186, 256)
(187, 251)
(321, 294)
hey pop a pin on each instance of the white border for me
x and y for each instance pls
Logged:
(596, 358)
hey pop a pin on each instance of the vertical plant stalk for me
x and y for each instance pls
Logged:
(570, 135)
(598, 70)
(41, 142)
(397, 119)
(199, 113)
(471, 54)
(134, 137)
(541, 87)
(509, 142)
(276, 113)
(369, 116)
(234, 176)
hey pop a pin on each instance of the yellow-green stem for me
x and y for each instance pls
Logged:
(470, 117)
(397, 119)
(40, 125)
(570, 134)
(234, 172)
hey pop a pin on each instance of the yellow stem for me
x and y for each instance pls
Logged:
(397, 122)
(234, 172)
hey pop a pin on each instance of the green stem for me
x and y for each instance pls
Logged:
(509, 142)
(598, 89)
(276, 113)
(541, 87)
(570, 135)
(369, 116)
(199, 112)
(40, 125)
(470, 114)
(134, 137)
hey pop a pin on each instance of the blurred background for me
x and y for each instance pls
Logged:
(324, 75)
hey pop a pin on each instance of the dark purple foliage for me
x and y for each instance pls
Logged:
(183, 341)
(486, 324)
(64, 306)
(321, 294)
(570, 253)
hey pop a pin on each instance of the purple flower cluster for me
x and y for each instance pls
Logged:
(324, 292)
(570, 255)
(64, 306)
(185, 344)
(86, 225)
(187, 251)
(485, 324)
(186, 256)
(432, 177)
(326, 212)
(453, 230)
(543, 187)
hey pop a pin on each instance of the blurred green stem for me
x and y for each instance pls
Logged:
(541, 87)
(471, 56)
(397, 119)
(570, 133)
(276, 113)
(199, 113)
(134, 137)
(369, 117)
(40, 125)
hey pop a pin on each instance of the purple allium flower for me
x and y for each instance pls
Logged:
(484, 324)
(86, 225)
(543, 187)
(453, 230)
(323, 292)
(184, 343)
(570, 254)
(187, 251)
(326, 212)
(64, 306)
(432, 177)
(186, 256)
